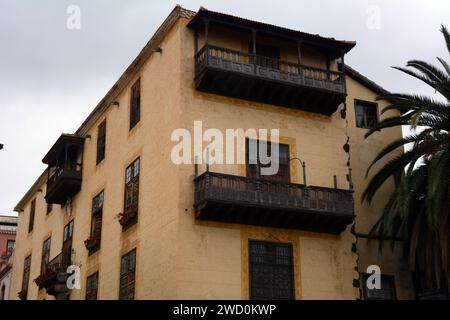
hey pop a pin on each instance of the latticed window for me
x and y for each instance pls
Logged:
(271, 271)
(131, 203)
(92, 287)
(135, 104)
(45, 254)
(127, 276)
(32, 213)
(26, 273)
(386, 291)
(96, 222)
(254, 149)
(366, 114)
(101, 141)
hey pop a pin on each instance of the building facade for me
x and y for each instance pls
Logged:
(142, 225)
(8, 227)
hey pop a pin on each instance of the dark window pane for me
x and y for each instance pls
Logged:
(101, 142)
(271, 271)
(92, 287)
(32, 213)
(135, 104)
(127, 276)
(366, 114)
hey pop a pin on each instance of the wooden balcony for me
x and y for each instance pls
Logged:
(63, 183)
(267, 80)
(54, 277)
(64, 171)
(234, 199)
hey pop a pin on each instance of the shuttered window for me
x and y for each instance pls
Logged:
(32, 213)
(127, 276)
(96, 221)
(135, 104)
(271, 271)
(101, 142)
(26, 273)
(254, 164)
(131, 203)
(92, 287)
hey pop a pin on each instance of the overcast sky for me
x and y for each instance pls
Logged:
(52, 77)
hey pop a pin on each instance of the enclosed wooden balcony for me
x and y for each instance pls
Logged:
(64, 169)
(268, 80)
(234, 199)
(309, 78)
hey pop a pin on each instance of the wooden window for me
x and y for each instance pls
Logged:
(32, 213)
(67, 243)
(92, 287)
(271, 271)
(101, 141)
(45, 255)
(49, 208)
(366, 114)
(96, 222)
(135, 104)
(26, 273)
(68, 231)
(386, 291)
(131, 203)
(254, 164)
(10, 244)
(127, 276)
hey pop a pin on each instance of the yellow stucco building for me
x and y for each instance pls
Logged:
(141, 226)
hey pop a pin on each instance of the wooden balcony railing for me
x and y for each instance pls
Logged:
(64, 182)
(68, 168)
(236, 199)
(268, 68)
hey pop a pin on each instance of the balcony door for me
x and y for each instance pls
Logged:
(67, 244)
(254, 164)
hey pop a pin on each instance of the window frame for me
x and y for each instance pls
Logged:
(32, 215)
(290, 267)
(135, 103)
(129, 294)
(88, 294)
(101, 142)
(96, 226)
(365, 104)
(8, 252)
(26, 273)
(45, 254)
(364, 289)
(132, 185)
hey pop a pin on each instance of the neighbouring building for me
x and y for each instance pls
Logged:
(144, 227)
(8, 228)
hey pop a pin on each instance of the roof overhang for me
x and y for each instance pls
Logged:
(63, 141)
(329, 46)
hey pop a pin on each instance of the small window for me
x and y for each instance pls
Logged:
(101, 141)
(45, 255)
(386, 292)
(131, 202)
(254, 163)
(94, 241)
(135, 104)
(127, 276)
(366, 114)
(10, 244)
(26, 273)
(68, 232)
(271, 271)
(32, 213)
(92, 287)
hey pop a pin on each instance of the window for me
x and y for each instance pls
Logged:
(366, 114)
(131, 203)
(92, 286)
(135, 104)
(101, 141)
(68, 231)
(266, 56)
(386, 292)
(96, 222)
(127, 276)
(49, 208)
(254, 164)
(271, 271)
(26, 273)
(67, 243)
(10, 246)
(32, 212)
(45, 255)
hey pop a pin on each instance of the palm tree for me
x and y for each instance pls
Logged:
(418, 210)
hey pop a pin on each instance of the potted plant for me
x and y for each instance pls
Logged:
(22, 295)
(91, 242)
